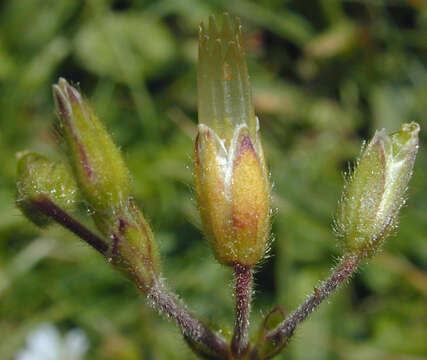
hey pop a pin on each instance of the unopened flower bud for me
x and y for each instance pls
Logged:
(99, 167)
(375, 191)
(231, 176)
(104, 181)
(133, 249)
(40, 178)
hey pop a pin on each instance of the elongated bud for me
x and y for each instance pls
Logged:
(99, 167)
(375, 192)
(104, 181)
(40, 178)
(231, 176)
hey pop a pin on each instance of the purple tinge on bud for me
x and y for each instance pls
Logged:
(375, 191)
(234, 196)
(231, 176)
(104, 180)
(98, 165)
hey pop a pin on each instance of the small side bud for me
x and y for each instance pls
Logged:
(40, 178)
(231, 176)
(375, 191)
(133, 249)
(266, 348)
(99, 167)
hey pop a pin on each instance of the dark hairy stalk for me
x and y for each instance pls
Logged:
(53, 211)
(158, 293)
(193, 330)
(342, 272)
(240, 341)
(346, 267)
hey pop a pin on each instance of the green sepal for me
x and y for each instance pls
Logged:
(266, 347)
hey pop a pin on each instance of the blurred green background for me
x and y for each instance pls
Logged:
(325, 75)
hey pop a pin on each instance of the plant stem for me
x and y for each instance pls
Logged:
(50, 209)
(162, 298)
(346, 267)
(201, 339)
(240, 341)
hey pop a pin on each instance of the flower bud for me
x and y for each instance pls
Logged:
(98, 165)
(133, 250)
(39, 178)
(375, 191)
(104, 181)
(231, 176)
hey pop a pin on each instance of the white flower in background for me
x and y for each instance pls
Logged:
(46, 343)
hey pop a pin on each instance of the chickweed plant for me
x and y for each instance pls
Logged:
(233, 193)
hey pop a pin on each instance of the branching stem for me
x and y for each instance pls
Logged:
(342, 272)
(53, 211)
(158, 293)
(196, 334)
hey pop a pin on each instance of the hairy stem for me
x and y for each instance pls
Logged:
(240, 341)
(342, 272)
(202, 340)
(157, 292)
(50, 209)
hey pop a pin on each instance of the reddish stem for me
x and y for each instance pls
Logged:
(200, 338)
(240, 341)
(163, 299)
(50, 209)
(285, 330)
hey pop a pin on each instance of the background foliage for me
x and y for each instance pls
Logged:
(325, 74)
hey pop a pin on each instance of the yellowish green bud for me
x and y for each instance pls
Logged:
(99, 167)
(40, 178)
(231, 176)
(375, 191)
